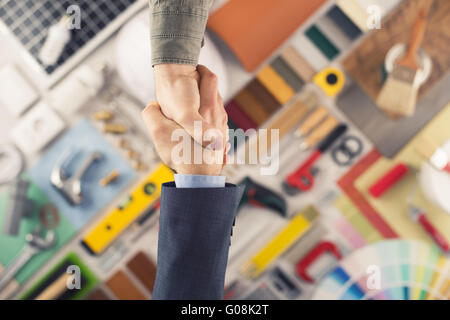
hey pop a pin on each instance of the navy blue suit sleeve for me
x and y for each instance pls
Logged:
(194, 236)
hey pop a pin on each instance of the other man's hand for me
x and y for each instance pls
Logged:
(162, 129)
(185, 94)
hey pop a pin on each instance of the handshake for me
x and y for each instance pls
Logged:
(188, 124)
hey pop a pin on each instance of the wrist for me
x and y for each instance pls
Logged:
(172, 69)
(199, 171)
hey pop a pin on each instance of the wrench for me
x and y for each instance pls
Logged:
(35, 244)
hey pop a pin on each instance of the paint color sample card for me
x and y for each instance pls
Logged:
(357, 220)
(254, 29)
(82, 139)
(388, 270)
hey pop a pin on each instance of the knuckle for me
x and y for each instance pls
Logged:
(156, 130)
(212, 77)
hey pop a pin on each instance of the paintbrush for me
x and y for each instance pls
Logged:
(399, 94)
(436, 156)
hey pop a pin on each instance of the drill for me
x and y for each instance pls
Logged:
(260, 196)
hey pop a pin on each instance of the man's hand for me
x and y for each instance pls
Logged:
(187, 94)
(161, 129)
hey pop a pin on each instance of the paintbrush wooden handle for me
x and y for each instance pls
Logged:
(55, 289)
(417, 34)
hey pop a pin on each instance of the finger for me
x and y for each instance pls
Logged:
(197, 126)
(228, 147)
(159, 127)
(208, 89)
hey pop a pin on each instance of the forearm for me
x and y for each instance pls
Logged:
(177, 30)
(194, 237)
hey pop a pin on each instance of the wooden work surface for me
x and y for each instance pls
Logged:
(364, 64)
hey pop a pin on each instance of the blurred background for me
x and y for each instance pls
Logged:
(359, 208)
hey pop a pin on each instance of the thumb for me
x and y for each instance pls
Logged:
(157, 124)
(208, 88)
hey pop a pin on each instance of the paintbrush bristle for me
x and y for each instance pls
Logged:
(425, 146)
(399, 93)
(404, 74)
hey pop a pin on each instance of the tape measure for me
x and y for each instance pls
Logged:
(114, 223)
(330, 80)
(11, 163)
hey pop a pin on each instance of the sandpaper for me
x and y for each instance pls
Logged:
(144, 269)
(388, 135)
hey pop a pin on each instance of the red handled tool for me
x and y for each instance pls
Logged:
(321, 248)
(419, 215)
(302, 179)
(388, 180)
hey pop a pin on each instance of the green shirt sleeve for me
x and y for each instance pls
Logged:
(177, 30)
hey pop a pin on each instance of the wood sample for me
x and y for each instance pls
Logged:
(276, 85)
(260, 92)
(365, 63)
(298, 63)
(123, 288)
(144, 269)
(252, 108)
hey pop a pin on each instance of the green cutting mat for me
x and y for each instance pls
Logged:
(10, 246)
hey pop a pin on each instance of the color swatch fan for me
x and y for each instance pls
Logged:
(389, 270)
